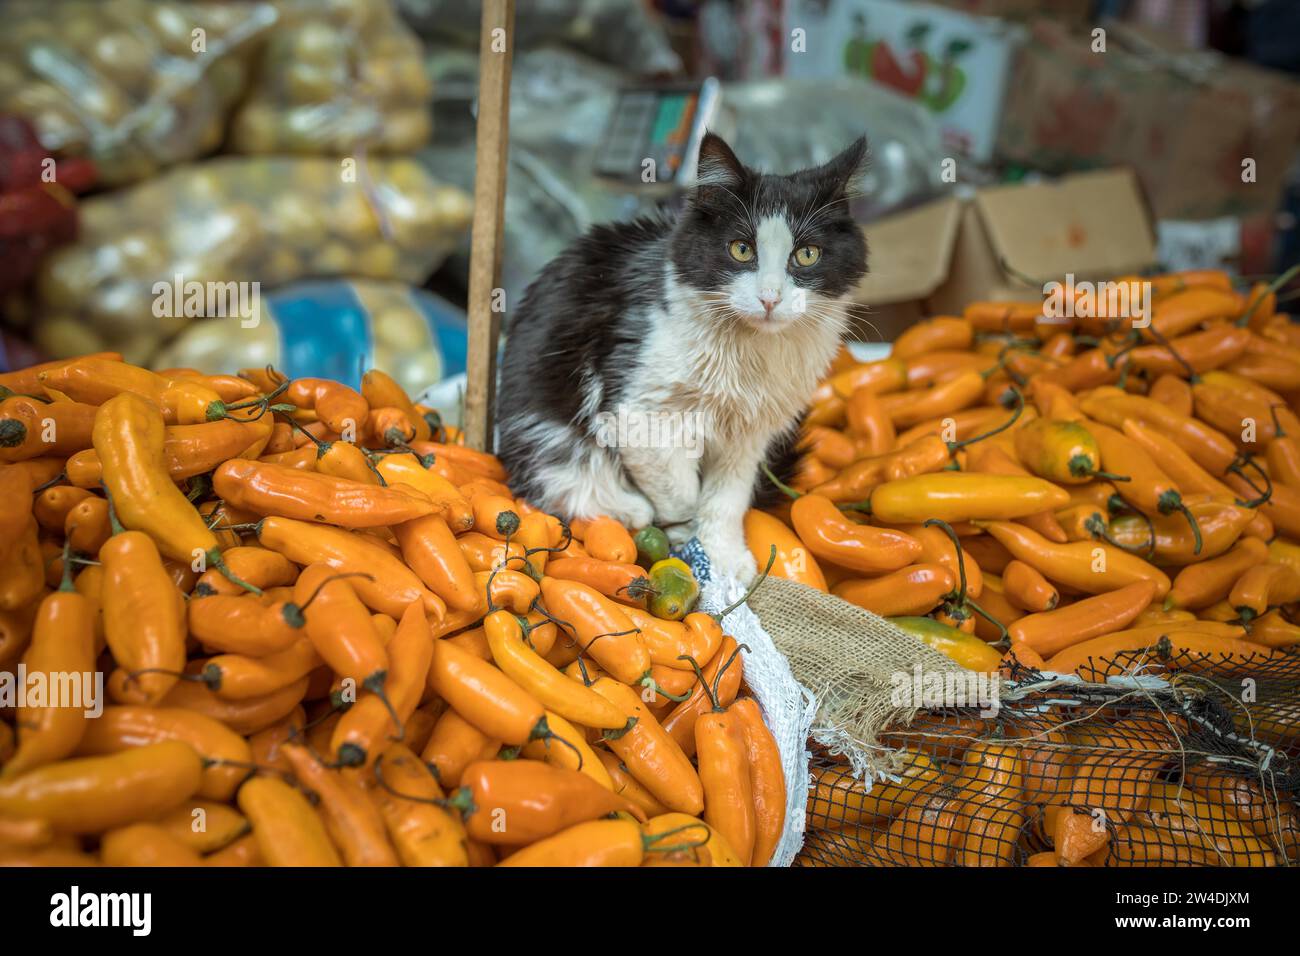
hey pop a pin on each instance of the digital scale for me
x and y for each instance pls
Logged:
(659, 122)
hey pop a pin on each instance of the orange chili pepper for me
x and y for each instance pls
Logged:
(94, 794)
(240, 677)
(794, 561)
(455, 744)
(95, 379)
(1282, 506)
(600, 627)
(1089, 566)
(268, 489)
(623, 582)
(913, 407)
(390, 426)
(1218, 525)
(52, 505)
(258, 566)
(1185, 472)
(351, 818)
(27, 380)
(1087, 370)
(830, 536)
(1273, 630)
(338, 406)
(1154, 648)
(940, 332)
(960, 496)
(916, 589)
(995, 603)
(548, 685)
(423, 833)
(1206, 445)
(1053, 401)
(650, 752)
(767, 779)
(884, 375)
(338, 625)
(509, 589)
(129, 438)
(487, 554)
(143, 616)
(697, 636)
(226, 754)
(1028, 589)
(288, 829)
(62, 644)
(485, 696)
(931, 368)
(242, 716)
(431, 551)
(1264, 586)
(828, 445)
(477, 463)
(608, 540)
(725, 775)
(30, 428)
(388, 585)
(1181, 312)
(926, 454)
(1197, 352)
(1172, 392)
(243, 625)
(989, 459)
(1002, 316)
(380, 390)
(22, 569)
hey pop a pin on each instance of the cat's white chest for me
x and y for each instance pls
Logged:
(735, 383)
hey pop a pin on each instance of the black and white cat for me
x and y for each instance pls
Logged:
(654, 364)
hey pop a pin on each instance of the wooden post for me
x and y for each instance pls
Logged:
(491, 147)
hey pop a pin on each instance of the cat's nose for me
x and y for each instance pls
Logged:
(770, 298)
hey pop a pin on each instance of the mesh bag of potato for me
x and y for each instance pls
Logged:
(1178, 760)
(126, 284)
(135, 85)
(333, 77)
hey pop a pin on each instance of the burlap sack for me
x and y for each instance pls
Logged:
(850, 660)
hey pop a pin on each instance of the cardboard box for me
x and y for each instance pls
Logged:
(953, 63)
(936, 258)
(1185, 120)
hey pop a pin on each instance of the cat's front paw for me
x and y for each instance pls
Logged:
(731, 560)
(680, 533)
(632, 511)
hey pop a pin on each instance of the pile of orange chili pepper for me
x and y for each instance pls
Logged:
(1089, 495)
(332, 636)
(1074, 493)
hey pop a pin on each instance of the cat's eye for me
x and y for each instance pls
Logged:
(807, 255)
(740, 250)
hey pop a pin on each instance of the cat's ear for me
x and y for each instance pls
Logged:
(844, 170)
(718, 165)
